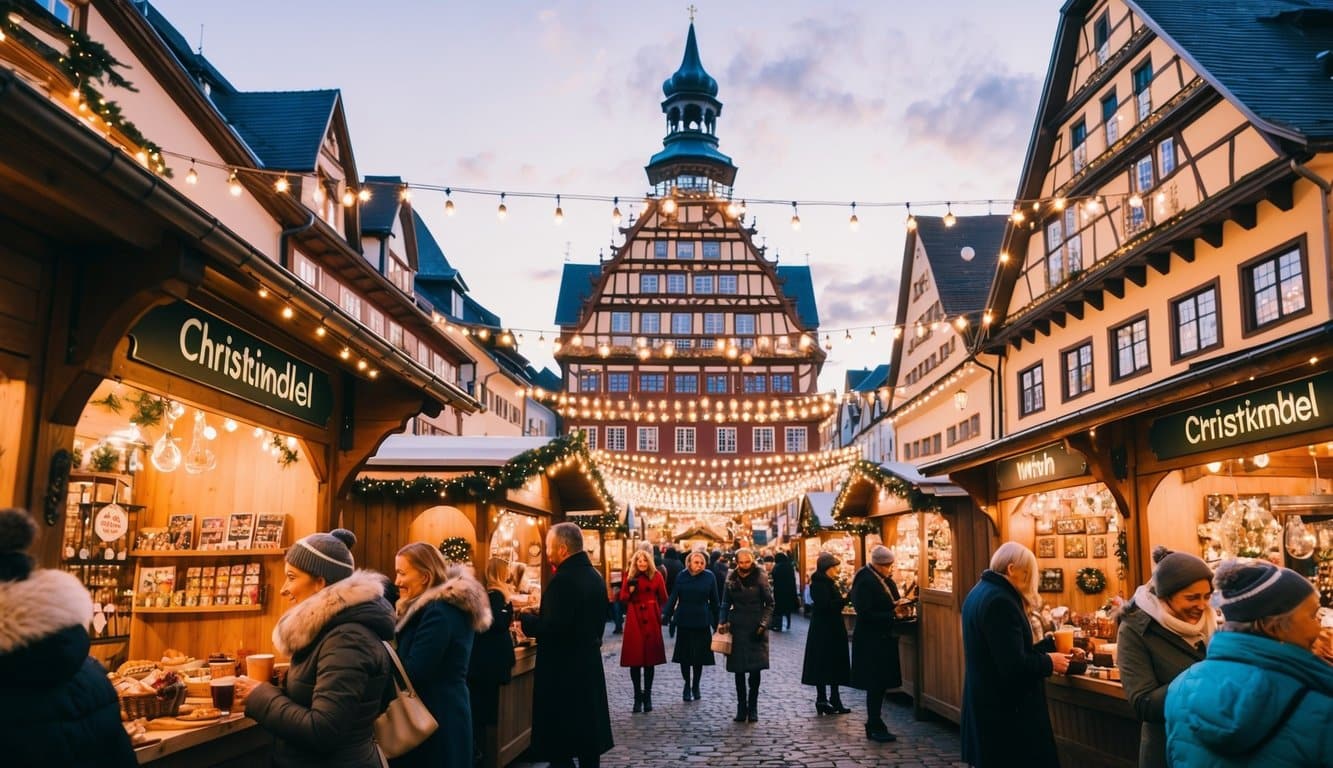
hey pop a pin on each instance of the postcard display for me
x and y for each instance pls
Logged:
(228, 580)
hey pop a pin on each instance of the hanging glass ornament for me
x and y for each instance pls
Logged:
(166, 457)
(199, 458)
(1300, 540)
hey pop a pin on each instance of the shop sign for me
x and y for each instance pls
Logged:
(191, 343)
(1286, 409)
(1043, 465)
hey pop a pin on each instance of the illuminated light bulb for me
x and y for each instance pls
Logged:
(317, 193)
(363, 194)
(732, 353)
(502, 210)
(1093, 206)
(405, 194)
(259, 432)
(897, 332)
(1058, 204)
(615, 212)
(483, 334)
(210, 432)
(1135, 201)
(604, 349)
(559, 212)
(668, 349)
(1004, 257)
(1161, 197)
(192, 176)
(321, 332)
(920, 330)
(142, 157)
(282, 185)
(1214, 467)
(230, 425)
(577, 340)
(669, 205)
(287, 313)
(949, 218)
(960, 323)
(291, 442)
(828, 342)
(795, 217)
(349, 198)
(733, 210)
(362, 365)
(1261, 460)
(644, 353)
(853, 222)
(987, 318)
(1017, 216)
(234, 185)
(448, 202)
(346, 353)
(805, 341)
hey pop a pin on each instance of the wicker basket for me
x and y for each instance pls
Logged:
(151, 705)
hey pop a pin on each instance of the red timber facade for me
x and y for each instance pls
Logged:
(689, 346)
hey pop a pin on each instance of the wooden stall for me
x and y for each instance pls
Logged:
(499, 495)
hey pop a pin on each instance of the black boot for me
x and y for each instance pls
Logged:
(638, 702)
(835, 703)
(648, 700)
(752, 706)
(879, 732)
(821, 701)
(685, 693)
(740, 698)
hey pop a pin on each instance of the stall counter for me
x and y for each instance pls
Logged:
(234, 740)
(1094, 725)
(513, 733)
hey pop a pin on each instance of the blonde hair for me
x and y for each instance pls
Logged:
(430, 561)
(652, 567)
(698, 553)
(1013, 553)
(496, 576)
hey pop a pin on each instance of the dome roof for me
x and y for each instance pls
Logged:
(690, 77)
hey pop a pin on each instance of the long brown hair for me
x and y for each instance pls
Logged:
(496, 576)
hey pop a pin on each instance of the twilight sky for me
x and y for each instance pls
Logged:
(884, 100)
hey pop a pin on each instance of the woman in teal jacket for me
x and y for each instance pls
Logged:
(1260, 697)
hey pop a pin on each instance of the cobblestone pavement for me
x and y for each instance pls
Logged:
(788, 732)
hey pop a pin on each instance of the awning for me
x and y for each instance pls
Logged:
(450, 452)
(858, 495)
(820, 504)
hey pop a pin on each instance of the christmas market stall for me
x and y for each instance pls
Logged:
(941, 543)
(478, 499)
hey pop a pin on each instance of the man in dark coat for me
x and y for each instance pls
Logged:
(783, 579)
(671, 567)
(570, 715)
(56, 706)
(1005, 720)
(875, 664)
(718, 565)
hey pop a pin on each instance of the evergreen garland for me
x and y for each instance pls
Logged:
(85, 63)
(456, 549)
(1091, 581)
(492, 483)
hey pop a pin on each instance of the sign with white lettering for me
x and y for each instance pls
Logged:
(1286, 409)
(1043, 465)
(189, 342)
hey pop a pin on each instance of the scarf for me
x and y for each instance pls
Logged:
(1192, 634)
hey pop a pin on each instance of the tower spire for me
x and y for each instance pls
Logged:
(689, 158)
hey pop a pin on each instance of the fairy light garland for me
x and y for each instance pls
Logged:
(869, 471)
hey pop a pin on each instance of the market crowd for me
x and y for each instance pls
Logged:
(1255, 688)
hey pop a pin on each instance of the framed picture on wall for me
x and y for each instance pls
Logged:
(1096, 525)
(1045, 525)
(1052, 580)
(592, 544)
(1046, 546)
(1076, 546)
(1214, 504)
(1066, 525)
(1098, 546)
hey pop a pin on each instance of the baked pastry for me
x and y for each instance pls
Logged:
(136, 668)
(200, 713)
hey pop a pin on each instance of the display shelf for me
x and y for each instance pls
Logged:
(93, 561)
(253, 608)
(109, 639)
(209, 553)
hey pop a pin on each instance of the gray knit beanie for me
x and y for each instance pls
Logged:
(1256, 589)
(328, 555)
(1175, 571)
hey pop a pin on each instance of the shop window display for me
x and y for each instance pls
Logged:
(939, 551)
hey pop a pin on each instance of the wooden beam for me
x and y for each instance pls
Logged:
(1043, 326)
(1137, 274)
(1097, 453)
(1212, 234)
(1074, 308)
(1160, 261)
(1029, 334)
(1246, 215)
(1116, 287)
(1281, 194)
(1095, 298)
(1058, 317)
(1184, 249)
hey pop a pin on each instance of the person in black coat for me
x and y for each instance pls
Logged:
(570, 715)
(56, 705)
(747, 610)
(785, 600)
(492, 662)
(340, 679)
(720, 568)
(875, 664)
(440, 610)
(1005, 720)
(825, 664)
(671, 568)
(693, 607)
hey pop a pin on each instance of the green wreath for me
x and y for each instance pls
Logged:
(1090, 580)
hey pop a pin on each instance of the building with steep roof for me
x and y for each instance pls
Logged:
(689, 344)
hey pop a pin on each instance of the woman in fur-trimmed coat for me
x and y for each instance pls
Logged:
(56, 706)
(440, 610)
(340, 680)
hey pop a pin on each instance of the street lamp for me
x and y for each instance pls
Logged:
(960, 399)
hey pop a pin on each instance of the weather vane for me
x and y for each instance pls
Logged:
(692, 11)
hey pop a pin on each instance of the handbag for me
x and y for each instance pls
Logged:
(721, 643)
(406, 723)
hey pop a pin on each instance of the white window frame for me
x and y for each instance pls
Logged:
(1143, 174)
(649, 283)
(762, 440)
(796, 439)
(726, 439)
(685, 440)
(307, 270)
(1198, 321)
(714, 246)
(676, 283)
(704, 284)
(650, 322)
(647, 440)
(728, 285)
(684, 250)
(590, 436)
(745, 324)
(614, 376)
(375, 321)
(350, 302)
(1130, 349)
(620, 322)
(1166, 155)
(661, 249)
(615, 439)
(682, 323)
(715, 323)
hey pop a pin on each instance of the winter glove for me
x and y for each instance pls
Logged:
(759, 632)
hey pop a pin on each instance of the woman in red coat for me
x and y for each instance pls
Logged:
(643, 591)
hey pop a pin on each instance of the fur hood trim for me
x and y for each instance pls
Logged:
(462, 592)
(41, 605)
(303, 622)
